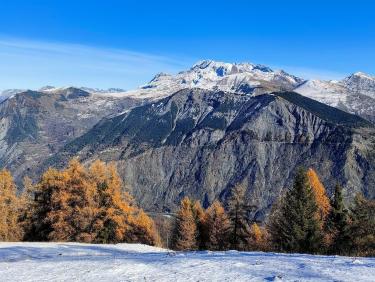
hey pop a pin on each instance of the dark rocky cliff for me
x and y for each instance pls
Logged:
(201, 143)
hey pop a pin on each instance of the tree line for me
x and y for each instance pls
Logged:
(303, 220)
(76, 204)
(79, 204)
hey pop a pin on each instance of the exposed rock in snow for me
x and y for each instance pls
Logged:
(245, 78)
(362, 83)
(354, 94)
(9, 93)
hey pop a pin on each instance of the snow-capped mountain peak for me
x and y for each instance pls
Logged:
(354, 94)
(222, 69)
(245, 78)
(363, 75)
(362, 83)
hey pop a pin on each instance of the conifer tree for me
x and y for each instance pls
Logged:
(10, 229)
(76, 204)
(185, 234)
(118, 218)
(218, 227)
(320, 194)
(115, 209)
(82, 203)
(257, 238)
(142, 230)
(237, 212)
(64, 206)
(337, 224)
(200, 219)
(27, 207)
(294, 227)
(362, 229)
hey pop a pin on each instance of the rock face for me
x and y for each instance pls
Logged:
(34, 125)
(201, 143)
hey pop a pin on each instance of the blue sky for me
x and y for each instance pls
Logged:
(124, 43)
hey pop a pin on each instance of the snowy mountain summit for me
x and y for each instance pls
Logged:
(243, 78)
(360, 82)
(354, 94)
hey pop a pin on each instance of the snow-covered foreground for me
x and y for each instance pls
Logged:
(134, 262)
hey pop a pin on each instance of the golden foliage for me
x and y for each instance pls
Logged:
(320, 194)
(218, 227)
(86, 205)
(186, 228)
(10, 206)
(258, 238)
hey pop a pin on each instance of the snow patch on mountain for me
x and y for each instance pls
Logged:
(362, 83)
(9, 93)
(331, 92)
(354, 94)
(243, 78)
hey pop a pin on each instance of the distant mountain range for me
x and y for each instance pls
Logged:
(200, 132)
(354, 94)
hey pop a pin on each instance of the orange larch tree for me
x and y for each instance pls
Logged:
(10, 207)
(218, 227)
(185, 234)
(320, 194)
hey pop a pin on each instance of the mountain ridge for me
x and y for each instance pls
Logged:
(200, 132)
(201, 143)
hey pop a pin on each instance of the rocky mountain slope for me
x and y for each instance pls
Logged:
(201, 143)
(35, 124)
(200, 132)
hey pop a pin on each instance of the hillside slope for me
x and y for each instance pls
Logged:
(35, 125)
(201, 143)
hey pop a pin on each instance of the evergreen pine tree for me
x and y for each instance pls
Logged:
(218, 227)
(362, 229)
(185, 234)
(337, 225)
(294, 227)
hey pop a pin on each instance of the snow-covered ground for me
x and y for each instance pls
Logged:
(135, 262)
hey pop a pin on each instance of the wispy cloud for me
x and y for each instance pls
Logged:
(31, 64)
